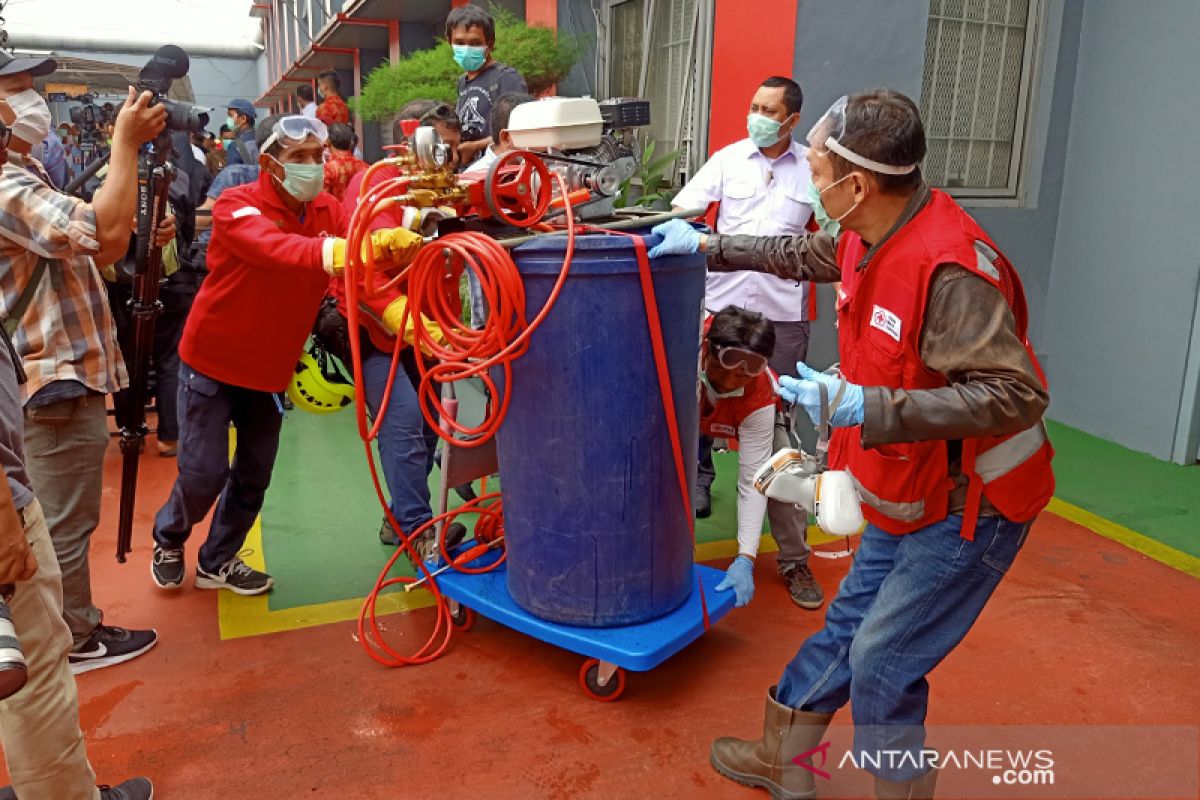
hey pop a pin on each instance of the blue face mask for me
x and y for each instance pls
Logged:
(469, 57)
(764, 131)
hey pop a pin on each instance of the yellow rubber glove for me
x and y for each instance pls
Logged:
(396, 246)
(394, 314)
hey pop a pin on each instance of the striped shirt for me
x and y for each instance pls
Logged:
(67, 332)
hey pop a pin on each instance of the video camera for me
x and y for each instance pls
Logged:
(164, 67)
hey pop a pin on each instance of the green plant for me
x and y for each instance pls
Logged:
(541, 56)
(651, 178)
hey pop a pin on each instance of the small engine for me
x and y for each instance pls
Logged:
(592, 145)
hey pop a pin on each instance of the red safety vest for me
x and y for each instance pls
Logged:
(881, 311)
(721, 419)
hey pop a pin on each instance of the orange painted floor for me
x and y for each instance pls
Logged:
(1083, 630)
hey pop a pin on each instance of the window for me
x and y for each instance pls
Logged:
(659, 50)
(975, 94)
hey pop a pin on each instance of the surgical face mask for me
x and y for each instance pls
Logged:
(32, 123)
(469, 57)
(830, 225)
(764, 131)
(302, 181)
(714, 394)
(231, 123)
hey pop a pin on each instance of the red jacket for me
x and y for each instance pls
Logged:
(392, 217)
(881, 312)
(265, 284)
(333, 110)
(721, 420)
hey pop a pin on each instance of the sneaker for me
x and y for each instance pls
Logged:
(803, 588)
(166, 568)
(703, 502)
(235, 576)
(132, 789)
(108, 646)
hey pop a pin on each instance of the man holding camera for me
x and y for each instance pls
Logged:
(66, 348)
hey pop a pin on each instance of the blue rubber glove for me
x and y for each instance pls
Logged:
(679, 239)
(805, 392)
(740, 578)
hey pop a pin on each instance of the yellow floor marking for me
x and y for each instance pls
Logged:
(252, 616)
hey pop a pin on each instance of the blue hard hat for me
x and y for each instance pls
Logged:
(243, 106)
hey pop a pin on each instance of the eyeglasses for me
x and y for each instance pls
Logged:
(293, 130)
(739, 358)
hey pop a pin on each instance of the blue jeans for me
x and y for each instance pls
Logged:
(405, 449)
(906, 603)
(206, 409)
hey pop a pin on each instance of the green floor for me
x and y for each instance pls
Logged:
(321, 519)
(1154, 498)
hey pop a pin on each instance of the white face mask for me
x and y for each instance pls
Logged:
(32, 123)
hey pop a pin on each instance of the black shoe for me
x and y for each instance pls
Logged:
(466, 491)
(132, 789)
(235, 576)
(166, 568)
(703, 502)
(803, 588)
(108, 646)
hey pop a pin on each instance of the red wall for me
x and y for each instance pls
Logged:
(747, 47)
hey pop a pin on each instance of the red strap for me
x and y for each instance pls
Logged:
(974, 489)
(668, 394)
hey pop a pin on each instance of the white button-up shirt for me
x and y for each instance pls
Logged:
(759, 197)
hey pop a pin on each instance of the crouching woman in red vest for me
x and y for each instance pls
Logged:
(739, 401)
(939, 422)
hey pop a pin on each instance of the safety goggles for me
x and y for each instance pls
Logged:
(831, 128)
(294, 130)
(746, 361)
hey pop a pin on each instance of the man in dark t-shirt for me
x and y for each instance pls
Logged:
(471, 32)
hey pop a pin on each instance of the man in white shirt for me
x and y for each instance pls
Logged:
(761, 183)
(306, 100)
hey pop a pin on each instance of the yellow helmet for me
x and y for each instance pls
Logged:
(317, 386)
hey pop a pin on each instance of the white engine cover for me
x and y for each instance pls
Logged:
(563, 123)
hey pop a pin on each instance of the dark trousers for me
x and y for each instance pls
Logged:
(206, 409)
(176, 298)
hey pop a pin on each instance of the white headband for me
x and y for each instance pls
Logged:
(875, 166)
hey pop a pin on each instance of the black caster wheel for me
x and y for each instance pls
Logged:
(463, 618)
(589, 681)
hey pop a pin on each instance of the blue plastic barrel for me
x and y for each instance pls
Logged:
(597, 534)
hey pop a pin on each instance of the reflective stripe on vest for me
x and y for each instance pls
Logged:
(998, 461)
(904, 512)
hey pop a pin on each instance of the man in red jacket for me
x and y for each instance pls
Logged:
(274, 245)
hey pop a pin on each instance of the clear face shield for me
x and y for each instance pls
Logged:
(294, 130)
(826, 136)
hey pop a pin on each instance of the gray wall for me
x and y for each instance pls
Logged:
(576, 18)
(215, 81)
(1123, 288)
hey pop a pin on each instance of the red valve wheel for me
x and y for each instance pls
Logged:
(518, 188)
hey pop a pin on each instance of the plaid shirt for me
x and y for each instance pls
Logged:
(67, 333)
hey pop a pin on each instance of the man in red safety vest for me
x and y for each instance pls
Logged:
(939, 410)
(738, 400)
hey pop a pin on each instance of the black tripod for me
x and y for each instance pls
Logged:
(155, 174)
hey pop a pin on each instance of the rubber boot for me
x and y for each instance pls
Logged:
(920, 789)
(767, 763)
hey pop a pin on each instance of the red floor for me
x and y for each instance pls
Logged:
(1082, 631)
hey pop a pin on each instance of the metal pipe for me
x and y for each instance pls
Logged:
(620, 225)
